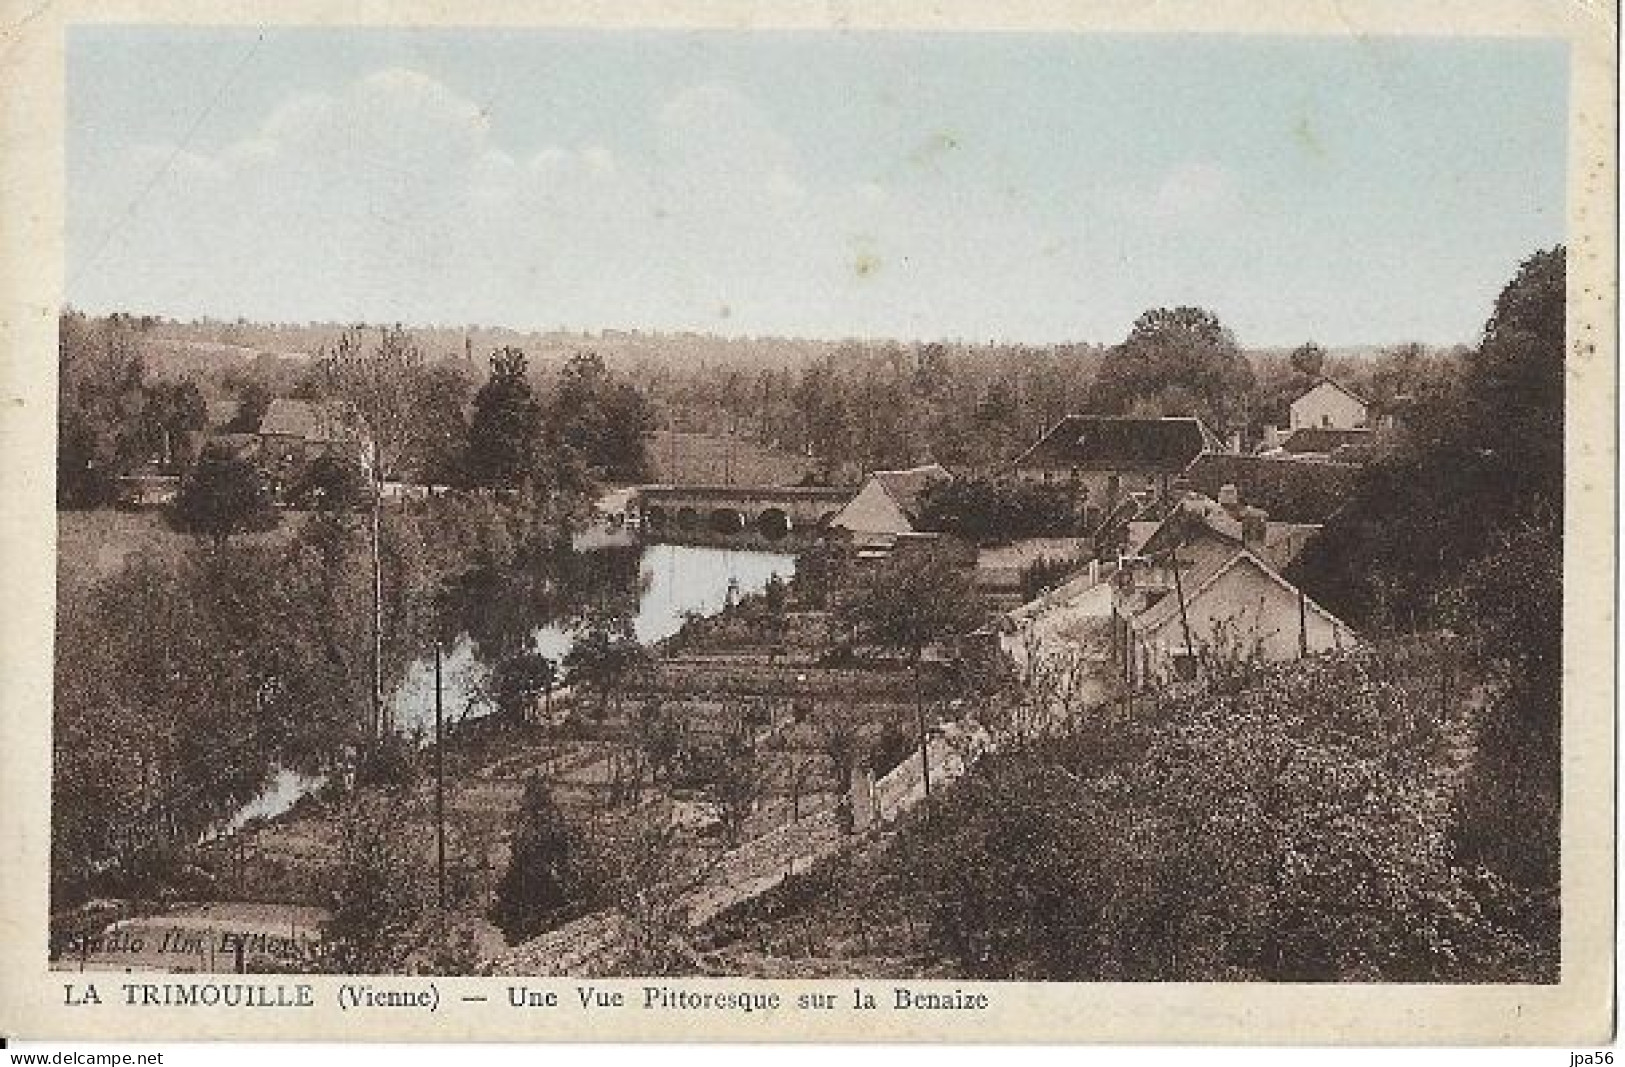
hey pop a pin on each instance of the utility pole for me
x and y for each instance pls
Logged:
(1303, 625)
(439, 775)
(378, 725)
(1179, 591)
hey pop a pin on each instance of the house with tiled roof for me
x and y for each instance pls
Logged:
(294, 432)
(888, 505)
(1207, 588)
(1105, 459)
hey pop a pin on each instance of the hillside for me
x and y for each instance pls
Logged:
(1295, 822)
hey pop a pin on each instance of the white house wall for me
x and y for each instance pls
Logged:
(1327, 406)
(1257, 615)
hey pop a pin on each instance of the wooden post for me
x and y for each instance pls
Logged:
(919, 718)
(378, 724)
(1184, 617)
(439, 778)
(1303, 625)
(1117, 653)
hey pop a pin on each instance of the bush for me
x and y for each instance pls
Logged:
(1045, 573)
(393, 761)
(224, 495)
(550, 878)
(891, 747)
(380, 892)
(1296, 828)
(988, 512)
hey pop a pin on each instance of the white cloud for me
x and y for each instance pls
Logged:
(391, 199)
(1193, 192)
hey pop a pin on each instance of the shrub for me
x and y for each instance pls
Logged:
(1297, 827)
(550, 878)
(1045, 573)
(393, 761)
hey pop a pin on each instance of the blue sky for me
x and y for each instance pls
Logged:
(978, 186)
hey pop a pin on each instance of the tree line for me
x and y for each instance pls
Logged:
(430, 421)
(849, 407)
(973, 408)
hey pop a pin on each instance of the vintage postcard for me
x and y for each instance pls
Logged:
(721, 521)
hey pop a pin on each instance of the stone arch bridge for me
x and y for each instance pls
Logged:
(770, 510)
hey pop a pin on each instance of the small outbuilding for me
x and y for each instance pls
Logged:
(888, 505)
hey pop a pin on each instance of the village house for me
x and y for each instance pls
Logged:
(1328, 406)
(887, 507)
(294, 432)
(1207, 588)
(1103, 460)
(1291, 490)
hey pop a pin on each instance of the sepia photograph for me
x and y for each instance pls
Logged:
(950, 510)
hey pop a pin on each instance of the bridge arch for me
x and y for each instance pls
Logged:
(727, 520)
(774, 524)
(771, 512)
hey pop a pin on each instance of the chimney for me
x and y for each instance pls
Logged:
(1255, 524)
(1229, 498)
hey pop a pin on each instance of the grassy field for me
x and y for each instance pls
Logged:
(90, 545)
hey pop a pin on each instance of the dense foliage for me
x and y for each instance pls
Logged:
(224, 494)
(504, 426)
(113, 415)
(915, 597)
(181, 683)
(381, 890)
(551, 876)
(1179, 361)
(185, 678)
(986, 511)
(1290, 825)
(1464, 529)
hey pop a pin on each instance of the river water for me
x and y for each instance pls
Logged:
(674, 580)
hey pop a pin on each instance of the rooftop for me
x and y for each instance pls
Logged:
(1092, 442)
(1319, 439)
(1290, 490)
(906, 486)
(1339, 386)
(312, 420)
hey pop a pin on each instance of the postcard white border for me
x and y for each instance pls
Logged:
(1576, 1011)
